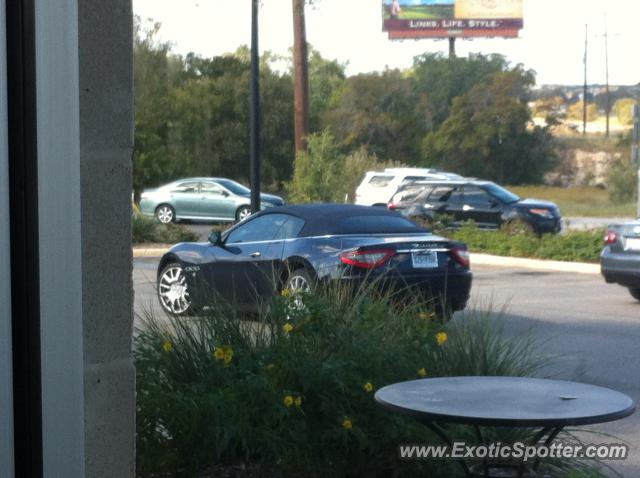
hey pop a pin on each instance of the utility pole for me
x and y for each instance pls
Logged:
(584, 90)
(254, 147)
(452, 48)
(606, 62)
(301, 77)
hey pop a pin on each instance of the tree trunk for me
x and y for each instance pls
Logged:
(301, 77)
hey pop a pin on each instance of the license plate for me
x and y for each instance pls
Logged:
(632, 244)
(424, 260)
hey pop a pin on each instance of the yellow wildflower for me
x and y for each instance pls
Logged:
(228, 356)
(346, 424)
(287, 328)
(298, 401)
(167, 346)
(427, 315)
(441, 338)
(422, 372)
(285, 293)
(218, 353)
(368, 387)
(288, 401)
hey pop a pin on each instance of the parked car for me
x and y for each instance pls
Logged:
(215, 199)
(377, 187)
(298, 247)
(484, 202)
(620, 258)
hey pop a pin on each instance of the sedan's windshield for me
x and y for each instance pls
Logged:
(235, 188)
(501, 193)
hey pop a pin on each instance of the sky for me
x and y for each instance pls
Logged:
(552, 41)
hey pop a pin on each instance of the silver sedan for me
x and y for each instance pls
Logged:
(620, 258)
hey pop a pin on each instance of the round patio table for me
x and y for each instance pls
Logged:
(505, 402)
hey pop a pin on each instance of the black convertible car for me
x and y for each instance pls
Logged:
(297, 247)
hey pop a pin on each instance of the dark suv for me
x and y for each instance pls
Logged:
(484, 202)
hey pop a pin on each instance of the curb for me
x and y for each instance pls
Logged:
(536, 264)
(149, 252)
(476, 259)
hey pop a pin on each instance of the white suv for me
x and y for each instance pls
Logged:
(377, 187)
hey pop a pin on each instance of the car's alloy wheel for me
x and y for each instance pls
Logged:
(635, 293)
(243, 213)
(298, 281)
(165, 214)
(172, 290)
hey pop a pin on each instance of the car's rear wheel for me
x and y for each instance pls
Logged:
(242, 213)
(635, 293)
(172, 290)
(165, 214)
(299, 281)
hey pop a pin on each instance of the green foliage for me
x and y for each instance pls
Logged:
(623, 109)
(293, 392)
(622, 181)
(440, 79)
(147, 229)
(326, 78)
(380, 111)
(487, 134)
(325, 174)
(577, 246)
(318, 172)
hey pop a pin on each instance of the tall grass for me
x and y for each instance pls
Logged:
(291, 393)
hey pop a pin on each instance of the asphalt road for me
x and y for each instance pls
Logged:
(591, 329)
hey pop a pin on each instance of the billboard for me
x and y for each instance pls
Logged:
(451, 18)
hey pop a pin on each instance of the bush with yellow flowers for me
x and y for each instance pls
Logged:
(292, 391)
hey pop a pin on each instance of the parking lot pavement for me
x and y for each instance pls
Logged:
(591, 329)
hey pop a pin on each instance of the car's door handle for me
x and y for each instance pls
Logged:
(255, 254)
(467, 208)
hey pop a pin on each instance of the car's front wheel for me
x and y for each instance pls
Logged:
(165, 214)
(635, 293)
(172, 290)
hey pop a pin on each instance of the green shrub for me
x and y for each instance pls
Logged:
(578, 246)
(146, 229)
(622, 181)
(292, 393)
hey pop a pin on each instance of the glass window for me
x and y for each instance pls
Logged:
(476, 195)
(291, 228)
(211, 188)
(189, 187)
(262, 228)
(501, 193)
(457, 196)
(380, 181)
(234, 187)
(441, 193)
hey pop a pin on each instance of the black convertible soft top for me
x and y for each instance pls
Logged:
(324, 219)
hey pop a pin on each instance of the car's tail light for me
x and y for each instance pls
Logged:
(541, 212)
(610, 237)
(392, 205)
(367, 258)
(461, 255)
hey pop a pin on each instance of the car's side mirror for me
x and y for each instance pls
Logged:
(215, 238)
(225, 193)
(494, 202)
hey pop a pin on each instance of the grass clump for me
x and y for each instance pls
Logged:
(292, 394)
(148, 230)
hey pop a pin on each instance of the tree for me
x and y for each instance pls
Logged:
(623, 108)
(489, 134)
(326, 79)
(439, 80)
(575, 111)
(381, 112)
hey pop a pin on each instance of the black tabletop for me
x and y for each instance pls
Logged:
(508, 401)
